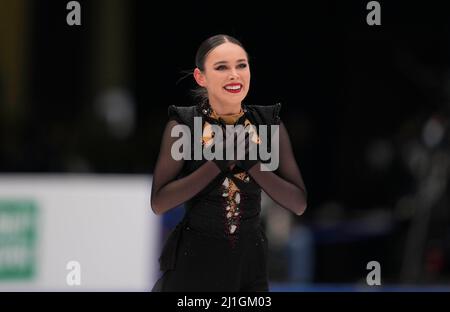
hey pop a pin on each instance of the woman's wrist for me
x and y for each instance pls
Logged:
(222, 165)
(247, 165)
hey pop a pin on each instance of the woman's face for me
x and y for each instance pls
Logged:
(226, 75)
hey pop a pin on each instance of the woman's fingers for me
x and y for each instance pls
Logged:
(238, 141)
(245, 147)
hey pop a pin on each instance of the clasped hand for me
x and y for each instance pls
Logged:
(235, 147)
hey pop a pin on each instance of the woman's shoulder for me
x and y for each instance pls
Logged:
(263, 114)
(182, 114)
(266, 114)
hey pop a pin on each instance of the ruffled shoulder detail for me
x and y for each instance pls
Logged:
(266, 114)
(183, 114)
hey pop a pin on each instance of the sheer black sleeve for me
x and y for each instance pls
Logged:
(285, 186)
(167, 191)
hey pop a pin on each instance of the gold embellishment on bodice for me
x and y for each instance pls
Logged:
(233, 199)
(230, 191)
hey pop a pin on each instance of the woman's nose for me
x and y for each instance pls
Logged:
(233, 74)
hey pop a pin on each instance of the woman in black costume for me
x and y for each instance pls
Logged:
(220, 244)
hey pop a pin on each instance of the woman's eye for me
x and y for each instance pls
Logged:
(243, 65)
(221, 67)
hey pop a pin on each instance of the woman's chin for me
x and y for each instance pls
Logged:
(234, 99)
(233, 102)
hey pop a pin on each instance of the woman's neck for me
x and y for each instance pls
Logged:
(223, 110)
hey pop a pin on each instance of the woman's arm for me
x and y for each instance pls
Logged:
(286, 188)
(167, 192)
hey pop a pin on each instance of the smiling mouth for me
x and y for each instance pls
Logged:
(233, 88)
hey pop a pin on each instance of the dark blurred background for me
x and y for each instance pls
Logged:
(366, 107)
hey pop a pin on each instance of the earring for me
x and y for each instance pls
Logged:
(206, 110)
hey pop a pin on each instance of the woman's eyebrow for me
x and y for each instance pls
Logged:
(225, 62)
(220, 62)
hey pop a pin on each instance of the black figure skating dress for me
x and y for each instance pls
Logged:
(220, 244)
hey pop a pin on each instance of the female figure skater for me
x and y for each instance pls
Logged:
(220, 244)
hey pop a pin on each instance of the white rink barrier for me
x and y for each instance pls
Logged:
(77, 233)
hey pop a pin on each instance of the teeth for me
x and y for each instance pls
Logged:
(233, 87)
